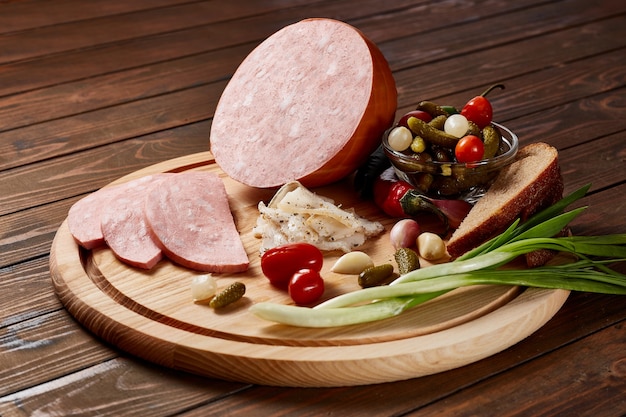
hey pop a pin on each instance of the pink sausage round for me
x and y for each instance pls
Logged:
(190, 219)
(310, 103)
(83, 218)
(123, 224)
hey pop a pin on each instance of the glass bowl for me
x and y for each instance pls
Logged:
(453, 180)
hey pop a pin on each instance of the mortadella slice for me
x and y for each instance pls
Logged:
(83, 218)
(190, 219)
(310, 103)
(124, 227)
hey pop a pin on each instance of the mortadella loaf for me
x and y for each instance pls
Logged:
(310, 103)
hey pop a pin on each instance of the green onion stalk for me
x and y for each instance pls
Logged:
(590, 273)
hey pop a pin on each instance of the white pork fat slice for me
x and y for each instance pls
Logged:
(296, 214)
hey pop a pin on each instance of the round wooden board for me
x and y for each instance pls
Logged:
(151, 315)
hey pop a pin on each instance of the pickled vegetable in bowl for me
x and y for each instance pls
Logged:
(445, 177)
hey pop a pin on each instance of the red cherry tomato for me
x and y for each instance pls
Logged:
(420, 114)
(306, 286)
(469, 149)
(280, 263)
(479, 111)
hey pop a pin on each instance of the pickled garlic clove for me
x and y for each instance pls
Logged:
(430, 246)
(203, 288)
(352, 263)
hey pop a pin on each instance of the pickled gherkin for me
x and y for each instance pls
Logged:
(431, 108)
(375, 275)
(407, 260)
(438, 122)
(473, 129)
(491, 139)
(229, 295)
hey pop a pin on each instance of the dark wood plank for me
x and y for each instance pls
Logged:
(605, 214)
(435, 41)
(531, 86)
(111, 124)
(575, 122)
(44, 40)
(246, 16)
(117, 387)
(158, 42)
(101, 59)
(28, 292)
(29, 14)
(29, 233)
(164, 76)
(596, 390)
(603, 166)
(113, 89)
(401, 52)
(37, 350)
(62, 68)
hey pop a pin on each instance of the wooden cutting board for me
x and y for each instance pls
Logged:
(151, 314)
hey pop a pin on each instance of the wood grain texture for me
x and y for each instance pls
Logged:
(137, 386)
(530, 18)
(446, 50)
(608, 377)
(84, 33)
(150, 313)
(29, 14)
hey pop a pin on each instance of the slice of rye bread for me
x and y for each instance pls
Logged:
(532, 182)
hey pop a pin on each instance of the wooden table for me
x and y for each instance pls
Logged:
(92, 91)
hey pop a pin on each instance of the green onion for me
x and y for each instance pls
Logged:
(515, 229)
(478, 267)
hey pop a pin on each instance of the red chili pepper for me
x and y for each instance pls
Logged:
(388, 192)
(479, 109)
(398, 198)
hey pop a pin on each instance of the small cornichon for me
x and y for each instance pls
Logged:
(229, 295)
(375, 275)
(407, 260)
(431, 108)
(491, 139)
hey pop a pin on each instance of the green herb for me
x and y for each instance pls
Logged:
(479, 266)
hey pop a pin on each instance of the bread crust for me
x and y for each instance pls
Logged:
(532, 182)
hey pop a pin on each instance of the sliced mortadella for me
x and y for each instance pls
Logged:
(83, 218)
(124, 227)
(190, 219)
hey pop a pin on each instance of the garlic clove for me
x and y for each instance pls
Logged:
(203, 288)
(352, 263)
(430, 246)
(404, 233)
